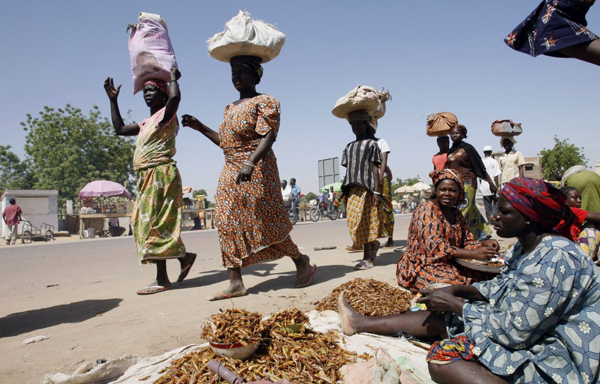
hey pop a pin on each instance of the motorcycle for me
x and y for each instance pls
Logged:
(292, 215)
(320, 209)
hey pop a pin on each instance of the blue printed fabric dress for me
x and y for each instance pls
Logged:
(541, 323)
(553, 25)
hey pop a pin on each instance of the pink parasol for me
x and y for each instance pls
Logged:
(104, 188)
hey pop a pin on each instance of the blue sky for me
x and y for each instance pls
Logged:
(432, 55)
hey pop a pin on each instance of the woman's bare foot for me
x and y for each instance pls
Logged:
(349, 316)
(231, 291)
(304, 271)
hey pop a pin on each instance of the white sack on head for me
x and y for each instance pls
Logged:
(360, 98)
(246, 37)
(150, 50)
(383, 97)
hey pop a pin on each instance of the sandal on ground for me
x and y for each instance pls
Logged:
(362, 265)
(352, 249)
(309, 276)
(223, 296)
(152, 289)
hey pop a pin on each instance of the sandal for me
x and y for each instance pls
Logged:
(362, 265)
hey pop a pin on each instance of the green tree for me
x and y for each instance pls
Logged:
(198, 192)
(310, 196)
(561, 157)
(14, 173)
(67, 149)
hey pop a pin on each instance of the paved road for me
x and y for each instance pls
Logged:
(82, 295)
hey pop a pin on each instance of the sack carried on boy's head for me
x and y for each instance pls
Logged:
(362, 97)
(150, 50)
(244, 36)
(440, 124)
(506, 128)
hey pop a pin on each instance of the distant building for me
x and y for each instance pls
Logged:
(38, 206)
(533, 168)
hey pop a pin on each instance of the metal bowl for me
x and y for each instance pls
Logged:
(235, 350)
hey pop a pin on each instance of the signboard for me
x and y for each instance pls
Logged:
(329, 171)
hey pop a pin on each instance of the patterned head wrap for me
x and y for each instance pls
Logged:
(362, 115)
(537, 200)
(451, 174)
(158, 84)
(251, 63)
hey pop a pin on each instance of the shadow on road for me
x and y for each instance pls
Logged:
(276, 281)
(23, 322)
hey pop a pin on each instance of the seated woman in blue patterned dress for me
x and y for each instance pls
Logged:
(536, 322)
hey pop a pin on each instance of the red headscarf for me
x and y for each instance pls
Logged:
(538, 200)
(451, 174)
(158, 84)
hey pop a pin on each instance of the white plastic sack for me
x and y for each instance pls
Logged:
(361, 97)
(150, 50)
(383, 97)
(246, 37)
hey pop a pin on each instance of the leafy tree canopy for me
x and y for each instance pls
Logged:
(67, 149)
(562, 156)
(198, 192)
(310, 196)
(14, 173)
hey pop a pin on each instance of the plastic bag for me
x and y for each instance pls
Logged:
(150, 50)
(246, 37)
(360, 98)
(440, 124)
(383, 97)
(506, 128)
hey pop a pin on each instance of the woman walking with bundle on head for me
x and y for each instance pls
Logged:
(466, 160)
(156, 218)
(361, 185)
(252, 223)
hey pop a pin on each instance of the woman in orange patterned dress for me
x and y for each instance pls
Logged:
(252, 223)
(437, 235)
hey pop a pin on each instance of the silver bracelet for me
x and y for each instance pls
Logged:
(376, 193)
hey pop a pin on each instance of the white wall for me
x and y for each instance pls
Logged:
(38, 206)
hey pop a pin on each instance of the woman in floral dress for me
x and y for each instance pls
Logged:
(252, 223)
(156, 218)
(536, 322)
(437, 236)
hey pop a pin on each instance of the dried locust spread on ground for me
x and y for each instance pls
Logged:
(233, 326)
(289, 351)
(368, 297)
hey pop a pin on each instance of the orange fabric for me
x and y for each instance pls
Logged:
(432, 243)
(253, 225)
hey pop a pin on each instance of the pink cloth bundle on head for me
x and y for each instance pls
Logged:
(538, 200)
(158, 84)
